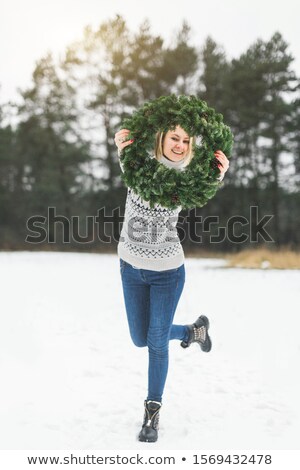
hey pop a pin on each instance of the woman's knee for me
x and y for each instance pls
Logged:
(158, 339)
(158, 347)
(139, 341)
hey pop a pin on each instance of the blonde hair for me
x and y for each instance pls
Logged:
(159, 142)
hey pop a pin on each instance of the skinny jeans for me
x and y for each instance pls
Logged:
(151, 298)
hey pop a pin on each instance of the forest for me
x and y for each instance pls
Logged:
(60, 180)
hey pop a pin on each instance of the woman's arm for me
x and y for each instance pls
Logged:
(121, 142)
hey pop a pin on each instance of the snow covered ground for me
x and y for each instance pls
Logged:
(71, 379)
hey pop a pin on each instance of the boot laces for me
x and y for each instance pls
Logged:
(152, 415)
(200, 334)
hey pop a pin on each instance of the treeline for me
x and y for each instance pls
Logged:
(57, 149)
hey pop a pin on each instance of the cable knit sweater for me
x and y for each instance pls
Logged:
(149, 238)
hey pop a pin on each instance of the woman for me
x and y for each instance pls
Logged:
(153, 274)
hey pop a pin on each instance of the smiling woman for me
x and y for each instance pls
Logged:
(151, 256)
(175, 145)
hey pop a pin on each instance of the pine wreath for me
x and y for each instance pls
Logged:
(152, 180)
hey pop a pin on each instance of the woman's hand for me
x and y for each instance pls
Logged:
(121, 139)
(223, 162)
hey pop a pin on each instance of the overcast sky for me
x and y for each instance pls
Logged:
(30, 28)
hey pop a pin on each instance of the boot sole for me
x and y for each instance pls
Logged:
(147, 440)
(144, 439)
(206, 346)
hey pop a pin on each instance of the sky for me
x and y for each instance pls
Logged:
(31, 28)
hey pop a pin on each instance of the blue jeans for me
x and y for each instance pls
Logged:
(151, 298)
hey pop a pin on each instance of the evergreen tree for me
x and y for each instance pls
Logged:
(48, 142)
(10, 174)
(98, 61)
(294, 140)
(142, 75)
(276, 107)
(214, 76)
(260, 84)
(180, 64)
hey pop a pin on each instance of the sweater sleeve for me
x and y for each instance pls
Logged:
(121, 164)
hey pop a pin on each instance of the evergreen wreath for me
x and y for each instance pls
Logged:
(152, 180)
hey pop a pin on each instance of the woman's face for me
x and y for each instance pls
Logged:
(176, 144)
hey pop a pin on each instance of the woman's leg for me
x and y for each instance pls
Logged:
(179, 332)
(165, 292)
(137, 302)
(164, 289)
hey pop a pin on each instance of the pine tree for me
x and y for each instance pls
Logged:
(280, 81)
(48, 140)
(180, 64)
(214, 76)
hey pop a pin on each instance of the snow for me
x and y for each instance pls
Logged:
(72, 379)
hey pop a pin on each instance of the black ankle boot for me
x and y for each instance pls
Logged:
(198, 333)
(151, 420)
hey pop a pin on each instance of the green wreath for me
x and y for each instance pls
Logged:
(152, 180)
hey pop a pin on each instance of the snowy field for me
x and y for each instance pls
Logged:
(72, 379)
